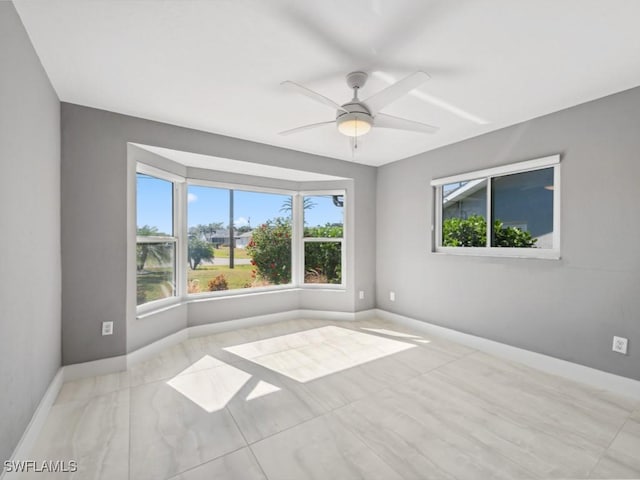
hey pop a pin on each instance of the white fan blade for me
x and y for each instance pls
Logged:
(378, 101)
(307, 127)
(311, 94)
(383, 120)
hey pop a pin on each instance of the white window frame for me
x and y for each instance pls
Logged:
(303, 240)
(178, 205)
(489, 174)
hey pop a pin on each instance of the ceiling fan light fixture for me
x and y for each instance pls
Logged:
(353, 125)
(356, 117)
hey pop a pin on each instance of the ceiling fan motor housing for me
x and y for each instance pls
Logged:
(353, 109)
(356, 121)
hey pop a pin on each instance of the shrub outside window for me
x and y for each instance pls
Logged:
(512, 210)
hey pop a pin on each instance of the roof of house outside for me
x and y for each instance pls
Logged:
(463, 191)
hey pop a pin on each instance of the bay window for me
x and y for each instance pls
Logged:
(201, 238)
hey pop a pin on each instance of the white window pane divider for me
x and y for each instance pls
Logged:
(322, 239)
(556, 209)
(489, 212)
(297, 252)
(180, 225)
(155, 239)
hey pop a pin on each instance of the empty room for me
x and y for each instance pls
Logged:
(293, 239)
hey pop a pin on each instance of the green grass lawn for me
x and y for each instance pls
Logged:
(157, 283)
(154, 283)
(223, 252)
(238, 277)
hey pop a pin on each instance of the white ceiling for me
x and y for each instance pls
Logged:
(216, 65)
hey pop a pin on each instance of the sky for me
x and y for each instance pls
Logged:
(210, 205)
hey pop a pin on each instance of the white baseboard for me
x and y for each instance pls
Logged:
(365, 314)
(95, 367)
(326, 315)
(336, 316)
(579, 373)
(30, 435)
(148, 351)
(219, 327)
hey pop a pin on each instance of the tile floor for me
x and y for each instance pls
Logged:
(320, 400)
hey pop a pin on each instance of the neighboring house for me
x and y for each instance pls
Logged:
(243, 239)
(218, 237)
(469, 198)
(525, 203)
(221, 237)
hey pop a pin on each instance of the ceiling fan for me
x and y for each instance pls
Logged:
(357, 117)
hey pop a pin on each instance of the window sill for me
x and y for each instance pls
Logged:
(159, 307)
(166, 305)
(496, 252)
(240, 292)
(323, 286)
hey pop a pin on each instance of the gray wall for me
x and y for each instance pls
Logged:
(569, 308)
(96, 179)
(30, 239)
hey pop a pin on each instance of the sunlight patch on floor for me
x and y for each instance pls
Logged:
(210, 388)
(315, 353)
(261, 389)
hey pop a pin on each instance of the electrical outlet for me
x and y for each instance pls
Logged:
(620, 345)
(361, 295)
(392, 296)
(107, 328)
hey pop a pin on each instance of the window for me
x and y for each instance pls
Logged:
(156, 242)
(198, 238)
(323, 238)
(511, 210)
(238, 239)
